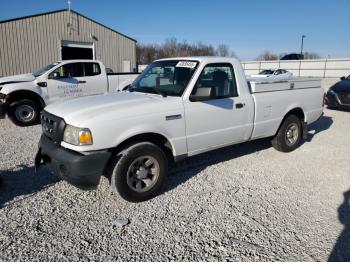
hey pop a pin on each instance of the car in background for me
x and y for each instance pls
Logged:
(338, 95)
(293, 56)
(275, 73)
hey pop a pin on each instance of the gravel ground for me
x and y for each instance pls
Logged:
(243, 203)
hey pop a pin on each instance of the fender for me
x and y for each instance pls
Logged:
(141, 130)
(25, 93)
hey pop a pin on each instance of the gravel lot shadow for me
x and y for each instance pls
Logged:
(184, 170)
(190, 167)
(322, 124)
(341, 250)
(22, 181)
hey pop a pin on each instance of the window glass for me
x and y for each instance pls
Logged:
(70, 70)
(219, 76)
(92, 69)
(168, 77)
(45, 69)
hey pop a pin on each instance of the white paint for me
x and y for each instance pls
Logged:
(203, 126)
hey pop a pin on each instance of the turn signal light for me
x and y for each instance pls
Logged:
(85, 137)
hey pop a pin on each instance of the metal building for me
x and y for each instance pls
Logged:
(31, 42)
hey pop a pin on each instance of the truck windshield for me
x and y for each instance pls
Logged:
(167, 78)
(45, 69)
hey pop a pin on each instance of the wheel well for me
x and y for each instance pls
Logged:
(298, 112)
(25, 94)
(155, 138)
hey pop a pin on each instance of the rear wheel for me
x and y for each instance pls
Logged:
(24, 112)
(138, 173)
(289, 135)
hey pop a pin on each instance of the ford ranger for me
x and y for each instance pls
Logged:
(22, 97)
(176, 108)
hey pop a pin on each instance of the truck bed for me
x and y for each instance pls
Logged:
(273, 101)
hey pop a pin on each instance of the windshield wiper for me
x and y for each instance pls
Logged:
(145, 89)
(157, 91)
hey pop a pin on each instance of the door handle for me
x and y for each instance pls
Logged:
(240, 105)
(81, 82)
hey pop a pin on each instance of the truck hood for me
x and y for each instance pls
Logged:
(112, 106)
(16, 79)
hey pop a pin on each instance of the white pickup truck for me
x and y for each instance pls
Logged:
(22, 97)
(178, 107)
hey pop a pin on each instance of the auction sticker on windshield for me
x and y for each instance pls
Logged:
(187, 64)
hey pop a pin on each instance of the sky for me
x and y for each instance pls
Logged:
(248, 27)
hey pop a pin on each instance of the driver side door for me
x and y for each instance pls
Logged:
(220, 120)
(67, 81)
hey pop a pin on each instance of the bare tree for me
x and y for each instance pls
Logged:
(311, 55)
(266, 56)
(146, 53)
(222, 50)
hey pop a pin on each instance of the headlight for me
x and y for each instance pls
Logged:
(77, 136)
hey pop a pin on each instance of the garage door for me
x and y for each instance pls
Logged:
(76, 50)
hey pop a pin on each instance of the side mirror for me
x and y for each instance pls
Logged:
(54, 75)
(203, 94)
(343, 78)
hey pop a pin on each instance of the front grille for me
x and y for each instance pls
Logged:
(52, 126)
(344, 97)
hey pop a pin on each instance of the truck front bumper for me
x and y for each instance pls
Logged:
(82, 171)
(3, 109)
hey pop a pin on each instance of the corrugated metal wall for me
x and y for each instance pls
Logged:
(31, 43)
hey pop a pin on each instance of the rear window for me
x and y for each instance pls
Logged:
(92, 69)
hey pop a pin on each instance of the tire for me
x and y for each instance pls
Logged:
(24, 112)
(138, 172)
(289, 135)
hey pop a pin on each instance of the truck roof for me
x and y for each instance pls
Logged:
(79, 60)
(212, 59)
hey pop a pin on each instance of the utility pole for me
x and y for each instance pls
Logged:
(302, 44)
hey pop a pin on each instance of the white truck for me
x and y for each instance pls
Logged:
(177, 108)
(22, 97)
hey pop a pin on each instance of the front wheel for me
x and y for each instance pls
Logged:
(289, 135)
(138, 173)
(24, 112)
